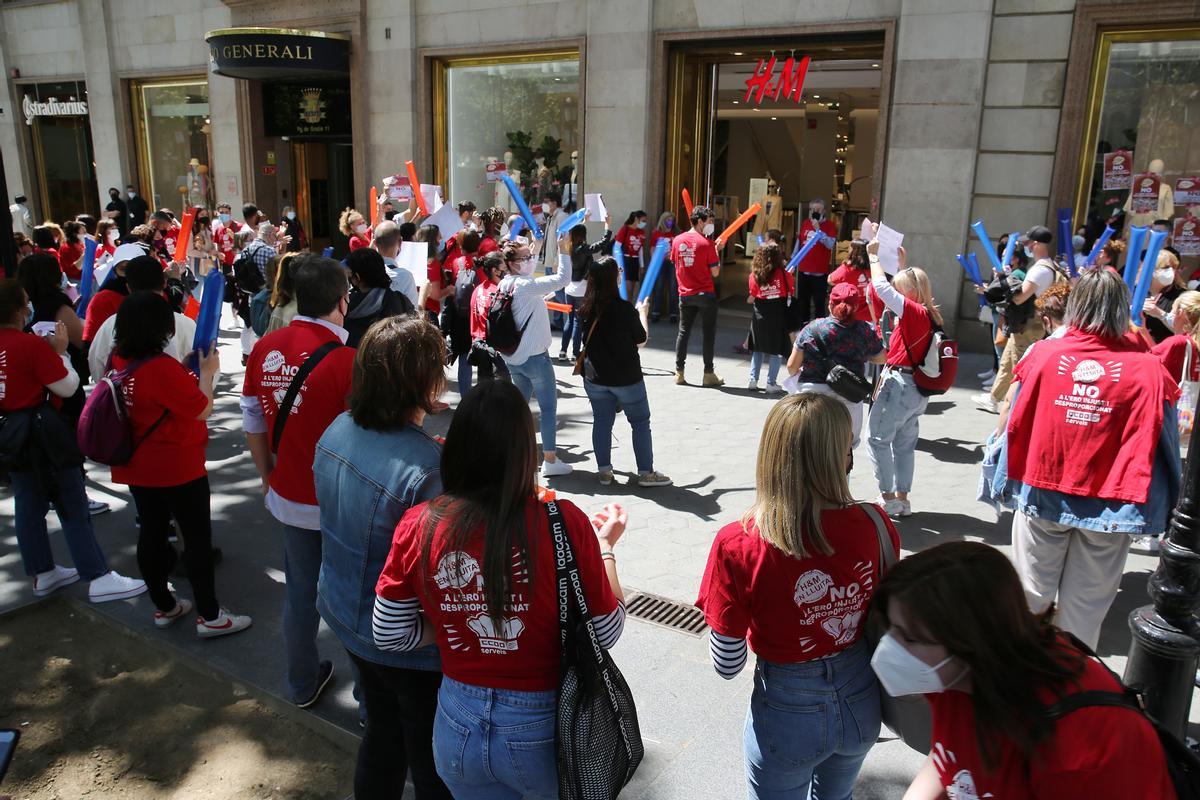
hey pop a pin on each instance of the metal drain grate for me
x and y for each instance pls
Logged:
(667, 613)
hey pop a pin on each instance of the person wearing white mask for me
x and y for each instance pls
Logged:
(294, 230)
(529, 365)
(696, 264)
(960, 633)
(354, 226)
(1165, 286)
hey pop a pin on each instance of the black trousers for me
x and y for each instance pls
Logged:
(705, 307)
(401, 704)
(188, 503)
(811, 292)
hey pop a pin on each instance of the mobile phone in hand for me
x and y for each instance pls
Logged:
(44, 328)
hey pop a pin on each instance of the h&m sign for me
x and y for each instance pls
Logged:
(789, 85)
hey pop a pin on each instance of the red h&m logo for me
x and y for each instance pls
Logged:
(789, 84)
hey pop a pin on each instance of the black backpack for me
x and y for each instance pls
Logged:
(503, 335)
(1183, 765)
(247, 275)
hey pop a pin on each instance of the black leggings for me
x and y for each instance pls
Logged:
(188, 503)
(401, 704)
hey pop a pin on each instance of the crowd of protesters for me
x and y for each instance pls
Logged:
(432, 562)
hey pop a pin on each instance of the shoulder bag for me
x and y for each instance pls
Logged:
(598, 742)
(581, 359)
(289, 399)
(909, 716)
(849, 385)
(1189, 393)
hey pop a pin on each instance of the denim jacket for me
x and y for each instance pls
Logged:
(365, 481)
(1089, 513)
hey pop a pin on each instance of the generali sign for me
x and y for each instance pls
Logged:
(789, 84)
(52, 108)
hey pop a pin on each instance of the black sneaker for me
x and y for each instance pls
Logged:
(324, 677)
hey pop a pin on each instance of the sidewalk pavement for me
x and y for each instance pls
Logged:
(706, 440)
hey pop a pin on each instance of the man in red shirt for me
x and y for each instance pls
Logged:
(283, 450)
(812, 276)
(696, 264)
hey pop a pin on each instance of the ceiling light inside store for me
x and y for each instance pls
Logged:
(774, 118)
(739, 54)
(875, 66)
(735, 102)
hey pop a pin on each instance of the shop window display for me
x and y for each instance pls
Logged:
(173, 143)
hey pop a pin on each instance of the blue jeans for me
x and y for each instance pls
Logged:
(773, 362)
(536, 377)
(464, 375)
(571, 330)
(31, 504)
(301, 565)
(495, 744)
(636, 405)
(666, 292)
(811, 725)
(892, 431)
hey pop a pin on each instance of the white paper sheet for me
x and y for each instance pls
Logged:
(791, 384)
(447, 221)
(414, 257)
(889, 248)
(867, 230)
(433, 197)
(594, 204)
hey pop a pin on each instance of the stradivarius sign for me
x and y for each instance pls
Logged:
(53, 108)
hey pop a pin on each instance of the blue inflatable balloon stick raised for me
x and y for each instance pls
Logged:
(571, 222)
(86, 278)
(1157, 239)
(1065, 247)
(327, 252)
(515, 229)
(522, 206)
(619, 257)
(1099, 246)
(986, 241)
(812, 242)
(1133, 254)
(657, 259)
(208, 321)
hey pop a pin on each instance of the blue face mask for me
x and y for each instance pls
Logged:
(224, 218)
(1028, 253)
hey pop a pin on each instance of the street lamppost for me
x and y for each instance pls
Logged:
(1166, 636)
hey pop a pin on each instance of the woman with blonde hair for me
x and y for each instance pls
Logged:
(283, 292)
(893, 425)
(1184, 346)
(1166, 286)
(355, 227)
(805, 546)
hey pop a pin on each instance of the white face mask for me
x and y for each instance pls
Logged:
(360, 228)
(1164, 277)
(708, 229)
(113, 234)
(526, 266)
(902, 673)
(1028, 252)
(642, 225)
(290, 215)
(132, 195)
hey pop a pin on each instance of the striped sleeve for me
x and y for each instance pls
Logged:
(728, 654)
(609, 627)
(397, 624)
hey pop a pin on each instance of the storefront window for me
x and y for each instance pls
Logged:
(57, 120)
(173, 143)
(523, 111)
(1143, 139)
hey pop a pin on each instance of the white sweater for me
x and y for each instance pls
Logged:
(529, 304)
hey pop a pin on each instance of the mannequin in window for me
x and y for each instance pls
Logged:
(568, 177)
(771, 216)
(500, 196)
(1166, 199)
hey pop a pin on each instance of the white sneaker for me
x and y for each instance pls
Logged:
(96, 507)
(114, 587)
(985, 401)
(892, 508)
(165, 620)
(987, 375)
(752, 386)
(774, 388)
(905, 508)
(652, 478)
(46, 582)
(223, 625)
(1151, 545)
(552, 469)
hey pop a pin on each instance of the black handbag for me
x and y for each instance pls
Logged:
(598, 743)
(847, 383)
(15, 430)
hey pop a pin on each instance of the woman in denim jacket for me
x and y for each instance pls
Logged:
(372, 464)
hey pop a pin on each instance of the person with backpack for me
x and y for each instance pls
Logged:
(165, 471)
(1005, 688)
(297, 381)
(371, 295)
(474, 570)
(583, 256)
(455, 321)
(519, 329)
(894, 422)
(483, 357)
(42, 458)
(1022, 325)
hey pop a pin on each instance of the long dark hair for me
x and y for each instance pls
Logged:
(767, 259)
(967, 597)
(602, 288)
(858, 257)
(41, 277)
(488, 463)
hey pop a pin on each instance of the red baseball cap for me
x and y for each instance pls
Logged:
(846, 293)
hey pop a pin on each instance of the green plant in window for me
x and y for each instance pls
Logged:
(518, 143)
(551, 149)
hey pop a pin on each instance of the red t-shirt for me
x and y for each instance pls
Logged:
(525, 655)
(170, 238)
(481, 301)
(694, 257)
(273, 363)
(487, 245)
(1172, 351)
(750, 587)
(656, 234)
(779, 286)
(817, 260)
(862, 279)
(433, 273)
(631, 240)
(1088, 418)
(912, 330)
(68, 259)
(223, 239)
(28, 364)
(173, 454)
(103, 305)
(358, 242)
(1093, 752)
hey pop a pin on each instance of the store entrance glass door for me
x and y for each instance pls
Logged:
(323, 185)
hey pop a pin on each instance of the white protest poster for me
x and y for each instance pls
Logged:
(889, 248)
(433, 197)
(414, 257)
(594, 204)
(447, 220)
(867, 231)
